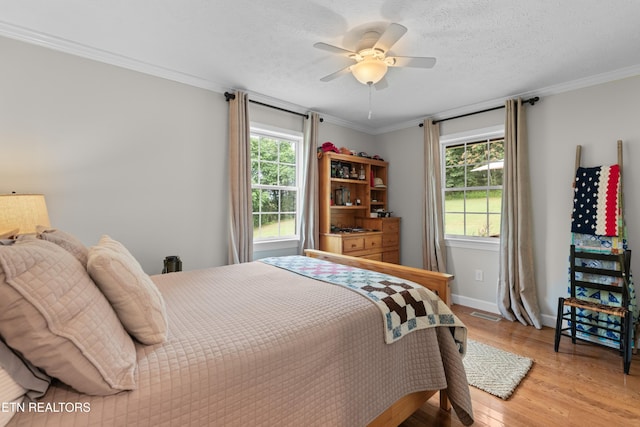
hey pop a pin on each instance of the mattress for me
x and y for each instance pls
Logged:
(253, 344)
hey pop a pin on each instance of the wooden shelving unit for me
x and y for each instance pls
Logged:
(346, 203)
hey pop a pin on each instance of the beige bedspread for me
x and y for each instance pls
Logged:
(253, 344)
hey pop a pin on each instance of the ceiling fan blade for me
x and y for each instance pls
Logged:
(337, 74)
(332, 49)
(391, 35)
(382, 84)
(413, 61)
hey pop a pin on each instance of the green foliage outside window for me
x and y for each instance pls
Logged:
(473, 188)
(274, 186)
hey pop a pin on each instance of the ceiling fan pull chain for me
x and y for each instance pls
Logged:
(370, 86)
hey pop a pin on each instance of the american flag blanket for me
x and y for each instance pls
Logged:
(405, 306)
(596, 202)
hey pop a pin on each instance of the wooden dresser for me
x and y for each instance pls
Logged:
(351, 188)
(390, 228)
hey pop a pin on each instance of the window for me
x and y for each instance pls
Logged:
(472, 185)
(274, 184)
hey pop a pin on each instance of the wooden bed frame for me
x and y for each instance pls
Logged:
(438, 283)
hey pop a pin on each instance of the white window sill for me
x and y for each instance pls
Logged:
(478, 243)
(275, 244)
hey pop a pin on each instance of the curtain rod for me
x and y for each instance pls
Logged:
(531, 101)
(229, 96)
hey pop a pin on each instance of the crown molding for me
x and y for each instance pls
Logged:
(77, 49)
(594, 80)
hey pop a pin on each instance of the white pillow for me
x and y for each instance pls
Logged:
(55, 316)
(132, 293)
(11, 393)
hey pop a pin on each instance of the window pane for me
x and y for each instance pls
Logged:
(478, 177)
(476, 201)
(455, 177)
(454, 224)
(268, 173)
(477, 153)
(496, 150)
(255, 200)
(268, 149)
(454, 156)
(269, 227)
(494, 225)
(496, 177)
(287, 152)
(477, 225)
(288, 225)
(288, 200)
(495, 201)
(287, 175)
(454, 201)
(255, 172)
(273, 174)
(473, 168)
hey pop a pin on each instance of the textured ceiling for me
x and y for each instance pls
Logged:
(486, 50)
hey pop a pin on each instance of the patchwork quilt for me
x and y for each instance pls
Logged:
(405, 306)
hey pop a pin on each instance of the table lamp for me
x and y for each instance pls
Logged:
(22, 212)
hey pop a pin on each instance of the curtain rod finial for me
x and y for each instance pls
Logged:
(229, 96)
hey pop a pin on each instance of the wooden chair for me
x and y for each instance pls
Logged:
(587, 270)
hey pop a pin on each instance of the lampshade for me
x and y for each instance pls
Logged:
(369, 71)
(23, 212)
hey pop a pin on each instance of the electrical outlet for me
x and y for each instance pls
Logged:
(479, 276)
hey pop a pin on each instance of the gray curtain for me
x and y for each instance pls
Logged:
(240, 208)
(517, 295)
(434, 253)
(310, 210)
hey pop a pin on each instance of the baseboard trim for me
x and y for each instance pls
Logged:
(547, 320)
(475, 303)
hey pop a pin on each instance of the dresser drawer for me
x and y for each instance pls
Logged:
(373, 242)
(390, 239)
(391, 226)
(352, 244)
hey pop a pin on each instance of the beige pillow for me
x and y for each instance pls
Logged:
(130, 290)
(66, 241)
(52, 313)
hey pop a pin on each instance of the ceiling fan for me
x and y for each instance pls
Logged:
(371, 60)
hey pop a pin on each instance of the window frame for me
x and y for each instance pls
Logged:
(476, 135)
(281, 242)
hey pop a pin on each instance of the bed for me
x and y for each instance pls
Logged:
(257, 344)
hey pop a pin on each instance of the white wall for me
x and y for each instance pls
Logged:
(144, 160)
(117, 152)
(594, 117)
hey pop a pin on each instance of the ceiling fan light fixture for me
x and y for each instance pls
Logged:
(369, 70)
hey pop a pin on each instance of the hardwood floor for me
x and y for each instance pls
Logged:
(581, 385)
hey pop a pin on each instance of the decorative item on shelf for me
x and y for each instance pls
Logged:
(361, 175)
(383, 214)
(353, 174)
(328, 146)
(379, 183)
(23, 212)
(343, 196)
